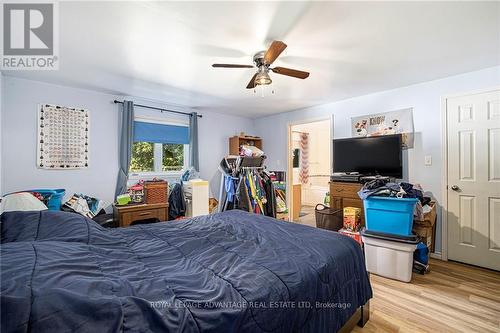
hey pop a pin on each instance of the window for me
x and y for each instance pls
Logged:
(159, 148)
(158, 157)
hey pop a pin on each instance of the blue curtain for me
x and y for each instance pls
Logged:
(160, 133)
(193, 141)
(126, 141)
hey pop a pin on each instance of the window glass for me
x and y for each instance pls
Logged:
(172, 157)
(142, 157)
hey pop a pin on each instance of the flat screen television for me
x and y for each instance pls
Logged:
(376, 155)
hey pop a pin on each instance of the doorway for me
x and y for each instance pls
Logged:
(472, 147)
(309, 165)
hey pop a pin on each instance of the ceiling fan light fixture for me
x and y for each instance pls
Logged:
(263, 78)
(262, 61)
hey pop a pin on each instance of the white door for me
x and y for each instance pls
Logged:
(474, 179)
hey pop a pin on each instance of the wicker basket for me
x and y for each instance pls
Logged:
(156, 192)
(328, 218)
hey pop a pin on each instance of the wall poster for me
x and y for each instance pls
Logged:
(63, 137)
(386, 123)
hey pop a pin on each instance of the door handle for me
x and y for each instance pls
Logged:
(455, 188)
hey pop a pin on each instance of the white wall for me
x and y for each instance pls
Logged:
(425, 98)
(18, 133)
(1, 107)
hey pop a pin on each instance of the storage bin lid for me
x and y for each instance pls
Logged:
(375, 197)
(390, 237)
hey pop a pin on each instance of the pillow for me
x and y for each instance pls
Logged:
(48, 225)
(23, 201)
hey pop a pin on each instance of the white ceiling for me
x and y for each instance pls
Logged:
(164, 50)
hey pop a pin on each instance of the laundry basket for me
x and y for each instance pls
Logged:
(328, 218)
(52, 197)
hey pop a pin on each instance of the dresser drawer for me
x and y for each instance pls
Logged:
(357, 203)
(145, 214)
(127, 215)
(345, 190)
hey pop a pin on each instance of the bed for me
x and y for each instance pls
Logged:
(226, 272)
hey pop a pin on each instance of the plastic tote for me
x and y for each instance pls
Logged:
(389, 215)
(389, 256)
(54, 197)
(328, 218)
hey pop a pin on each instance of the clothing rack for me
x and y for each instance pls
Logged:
(159, 109)
(246, 184)
(252, 168)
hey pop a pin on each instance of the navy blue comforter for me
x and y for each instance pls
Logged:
(228, 272)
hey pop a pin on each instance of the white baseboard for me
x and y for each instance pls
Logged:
(436, 255)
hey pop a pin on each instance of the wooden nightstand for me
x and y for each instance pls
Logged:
(126, 215)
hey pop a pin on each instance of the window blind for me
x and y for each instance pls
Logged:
(160, 133)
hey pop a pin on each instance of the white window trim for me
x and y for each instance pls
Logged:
(157, 152)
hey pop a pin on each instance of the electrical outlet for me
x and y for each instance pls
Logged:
(428, 160)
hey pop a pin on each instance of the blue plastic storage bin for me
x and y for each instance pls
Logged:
(389, 215)
(56, 196)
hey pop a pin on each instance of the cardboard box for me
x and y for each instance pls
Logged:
(429, 218)
(426, 234)
(353, 234)
(426, 228)
(352, 218)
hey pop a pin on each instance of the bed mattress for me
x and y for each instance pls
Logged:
(227, 272)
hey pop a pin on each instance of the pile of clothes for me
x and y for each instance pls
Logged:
(84, 205)
(383, 188)
(250, 151)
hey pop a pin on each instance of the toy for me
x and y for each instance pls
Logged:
(352, 218)
(137, 193)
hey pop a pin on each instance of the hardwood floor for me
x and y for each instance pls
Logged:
(453, 297)
(307, 216)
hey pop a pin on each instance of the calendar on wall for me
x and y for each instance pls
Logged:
(63, 137)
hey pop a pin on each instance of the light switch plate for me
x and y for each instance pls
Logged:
(428, 160)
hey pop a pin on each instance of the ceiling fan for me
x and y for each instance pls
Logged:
(263, 61)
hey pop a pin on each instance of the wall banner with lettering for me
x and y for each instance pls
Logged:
(386, 123)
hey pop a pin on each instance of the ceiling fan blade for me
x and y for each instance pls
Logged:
(252, 84)
(290, 72)
(274, 51)
(232, 66)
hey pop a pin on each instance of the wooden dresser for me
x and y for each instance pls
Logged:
(346, 195)
(126, 215)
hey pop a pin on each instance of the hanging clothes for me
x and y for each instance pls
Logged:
(243, 199)
(176, 203)
(249, 189)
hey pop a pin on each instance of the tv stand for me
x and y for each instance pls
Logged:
(346, 177)
(345, 194)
